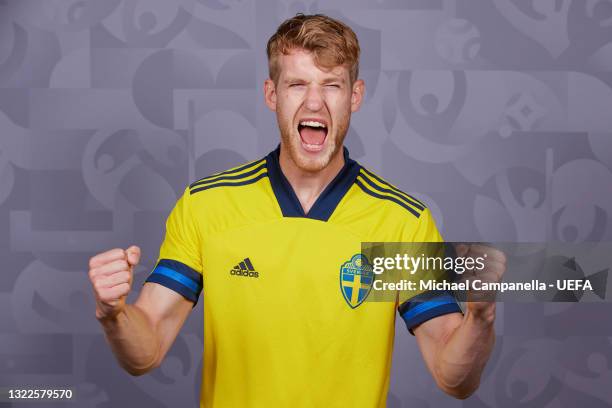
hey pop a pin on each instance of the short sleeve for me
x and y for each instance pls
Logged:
(427, 304)
(179, 266)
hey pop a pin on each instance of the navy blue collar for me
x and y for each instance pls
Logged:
(325, 204)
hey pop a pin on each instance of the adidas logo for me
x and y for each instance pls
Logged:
(245, 268)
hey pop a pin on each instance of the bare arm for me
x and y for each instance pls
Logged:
(140, 334)
(456, 350)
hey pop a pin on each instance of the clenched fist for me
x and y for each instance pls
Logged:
(111, 274)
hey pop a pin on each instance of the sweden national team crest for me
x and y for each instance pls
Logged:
(356, 277)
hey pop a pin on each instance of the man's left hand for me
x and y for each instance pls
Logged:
(481, 303)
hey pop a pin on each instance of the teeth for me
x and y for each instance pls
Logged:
(312, 123)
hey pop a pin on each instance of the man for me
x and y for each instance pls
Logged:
(267, 241)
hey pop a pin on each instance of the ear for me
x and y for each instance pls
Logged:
(357, 95)
(270, 94)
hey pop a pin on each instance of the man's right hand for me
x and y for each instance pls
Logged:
(139, 334)
(111, 274)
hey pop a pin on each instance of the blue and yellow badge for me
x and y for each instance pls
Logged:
(356, 277)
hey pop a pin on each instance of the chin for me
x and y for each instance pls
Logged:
(306, 162)
(310, 162)
(310, 165)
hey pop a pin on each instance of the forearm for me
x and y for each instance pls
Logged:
(132, 339)
(465, 353)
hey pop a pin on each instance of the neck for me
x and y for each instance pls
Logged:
(308, 186)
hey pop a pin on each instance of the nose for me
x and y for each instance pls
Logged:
(314, 98)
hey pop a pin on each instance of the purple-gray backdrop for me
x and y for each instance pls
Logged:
(497, 113)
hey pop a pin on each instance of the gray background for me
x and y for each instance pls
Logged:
(497, 113)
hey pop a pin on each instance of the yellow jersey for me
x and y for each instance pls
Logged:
(285, 322)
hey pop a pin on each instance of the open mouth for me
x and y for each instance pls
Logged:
(313, 134)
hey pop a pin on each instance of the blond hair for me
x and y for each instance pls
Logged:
(331, 42)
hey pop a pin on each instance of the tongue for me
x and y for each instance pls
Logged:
(315, 136)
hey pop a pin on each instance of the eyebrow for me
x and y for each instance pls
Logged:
(290, 80)
(333, 79)
(325, 81)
